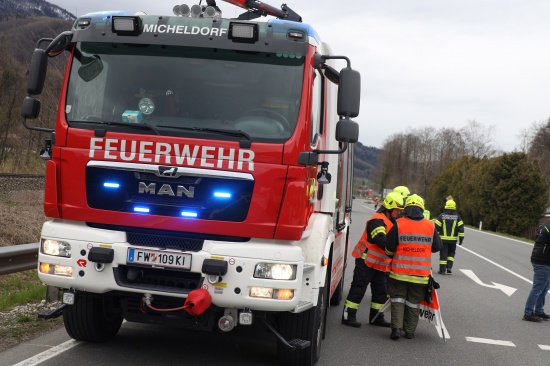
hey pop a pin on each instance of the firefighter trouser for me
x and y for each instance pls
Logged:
(447, 254)
(362, 276)
(405, 298)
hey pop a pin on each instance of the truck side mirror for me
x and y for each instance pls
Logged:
(347, 131)
(31, 108)
(37, 71)
(349, 92)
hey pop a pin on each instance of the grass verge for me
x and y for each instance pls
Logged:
(20, 288)
(22, 298)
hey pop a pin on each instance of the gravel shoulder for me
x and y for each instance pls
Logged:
(22, 216)
(22, 323)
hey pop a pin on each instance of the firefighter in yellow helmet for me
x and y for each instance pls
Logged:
(450, 227)
(402, 190)
(410, 243)
(372, 264)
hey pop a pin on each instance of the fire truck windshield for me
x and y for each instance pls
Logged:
(184, 90)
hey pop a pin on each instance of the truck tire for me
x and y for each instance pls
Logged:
(91, 318)
(309, 325)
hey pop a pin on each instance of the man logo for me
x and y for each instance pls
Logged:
(166, 171)
(166, 190)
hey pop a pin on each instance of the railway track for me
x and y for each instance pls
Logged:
(18, 182)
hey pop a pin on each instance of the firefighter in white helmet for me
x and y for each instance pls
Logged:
(372, 264)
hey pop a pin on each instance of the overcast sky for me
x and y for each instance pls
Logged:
(424, 62)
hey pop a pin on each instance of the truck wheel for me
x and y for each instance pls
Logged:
(92, 318)
(309, 325)
(338, 295)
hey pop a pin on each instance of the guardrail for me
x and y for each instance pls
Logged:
(17, 258)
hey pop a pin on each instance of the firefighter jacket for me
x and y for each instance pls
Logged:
(541, 249)
(410, 243)
(372, 243)
(450, 227)
(376, 254)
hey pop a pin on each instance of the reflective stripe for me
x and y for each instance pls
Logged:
(422, 280)
(376, 306)
(449, 238)
(351, 305)
(412, 266)
(376, 256)
(410, 258)
(411, 305)
(360, 247)
(364, 256)
(452, 259)
(442, 262)
(378, 230)
(397, 299)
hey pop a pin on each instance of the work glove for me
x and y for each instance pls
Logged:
(460, 240)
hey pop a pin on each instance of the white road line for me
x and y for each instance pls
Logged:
(544, 348)
(490, 341)
(499, 236)
(498, 265)
(46, 355)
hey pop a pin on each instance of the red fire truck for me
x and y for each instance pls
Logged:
(199, 173)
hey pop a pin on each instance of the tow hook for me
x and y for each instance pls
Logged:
(293, 344)
(54, 313)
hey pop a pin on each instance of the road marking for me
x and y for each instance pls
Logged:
(490, 341)
(46, 355)
(544, 348)
(498, 265)
(506, 289)
(500, 236)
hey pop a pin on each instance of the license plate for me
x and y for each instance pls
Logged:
(159, 258)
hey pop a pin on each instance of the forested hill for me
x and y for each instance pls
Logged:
(366, 161)
(32, 8)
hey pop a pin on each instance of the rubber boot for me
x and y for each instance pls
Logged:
(380, 321)
(442, 269)
(395, 334)
(349, 318)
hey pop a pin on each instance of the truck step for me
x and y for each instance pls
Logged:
(54, 313)
(299, 344)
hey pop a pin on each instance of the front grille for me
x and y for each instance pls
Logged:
(129, 191)
(146, 278)
(164, 241)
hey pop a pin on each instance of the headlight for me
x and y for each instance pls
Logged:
(55, 247)
(275, 271)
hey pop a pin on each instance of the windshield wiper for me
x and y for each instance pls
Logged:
(243, 143)
(141, 125)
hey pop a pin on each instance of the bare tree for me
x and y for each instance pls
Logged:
(478, 139)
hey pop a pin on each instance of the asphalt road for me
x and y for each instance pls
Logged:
(483, 320)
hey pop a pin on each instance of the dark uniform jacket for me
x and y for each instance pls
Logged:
(450, 226)
(541, 249)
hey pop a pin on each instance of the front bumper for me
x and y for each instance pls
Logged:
(232, 290)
